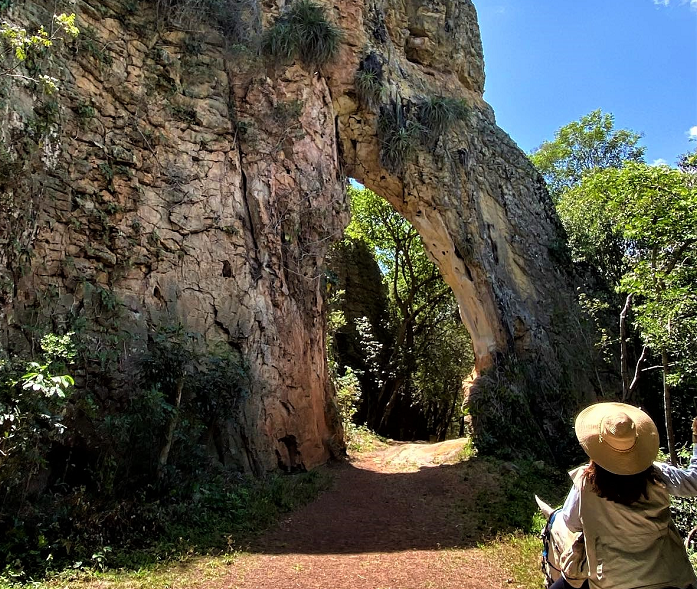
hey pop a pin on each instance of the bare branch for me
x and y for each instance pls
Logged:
(637, 373)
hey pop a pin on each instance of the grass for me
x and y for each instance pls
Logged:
(369, 86)
(399, 138)
(504, 518)
(190, 572)
(303, 32)
(438, 114)
(518, 554)
(237, 20)
(361, 439)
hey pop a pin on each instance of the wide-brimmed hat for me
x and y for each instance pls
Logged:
(619, 437)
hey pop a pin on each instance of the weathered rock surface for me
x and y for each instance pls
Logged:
(201, 186)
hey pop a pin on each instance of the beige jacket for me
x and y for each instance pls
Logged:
(632, 547)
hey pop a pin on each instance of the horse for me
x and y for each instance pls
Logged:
(563, 551)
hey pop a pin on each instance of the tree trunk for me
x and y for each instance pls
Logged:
(164, 453)
(623, 348)
(668, 411)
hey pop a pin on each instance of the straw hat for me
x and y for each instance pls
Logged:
(620, 438)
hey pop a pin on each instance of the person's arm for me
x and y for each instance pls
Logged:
(678, 481)
(571, 511)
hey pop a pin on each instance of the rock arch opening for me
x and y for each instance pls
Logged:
(398, 350)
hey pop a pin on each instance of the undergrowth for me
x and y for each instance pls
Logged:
(507, 521)
(360, 438)
(684, 509)
(90, 482)
(513, 508)
(216, 520)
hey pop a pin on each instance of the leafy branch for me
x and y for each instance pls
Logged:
(19, 45)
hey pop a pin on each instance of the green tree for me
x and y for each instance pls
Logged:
(584, 145)
(18, 45)
(430, 349)
(631, 238)
(652, 212)
(597, 249)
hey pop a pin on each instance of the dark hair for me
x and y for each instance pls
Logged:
(620, 488)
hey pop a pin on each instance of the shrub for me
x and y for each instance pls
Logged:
(303, 32)
(79, 532)
(33, 400)
(237, 20)
(368, 88)
(368, 82)
(438, 114)
(399, 138)
(348, 395)
(130, 470)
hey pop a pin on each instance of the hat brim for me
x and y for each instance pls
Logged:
(626, 462)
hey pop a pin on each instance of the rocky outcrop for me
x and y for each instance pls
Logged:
(181, 180)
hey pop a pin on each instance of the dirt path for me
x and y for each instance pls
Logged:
(394, 519)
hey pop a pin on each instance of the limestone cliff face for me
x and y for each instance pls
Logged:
(187, 182)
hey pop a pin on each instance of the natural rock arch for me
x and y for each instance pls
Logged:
(203, 188)
(479, 205)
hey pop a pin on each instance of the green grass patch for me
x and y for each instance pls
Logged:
(519, 555)
(513, 508)
(359, 438)
(503, 519)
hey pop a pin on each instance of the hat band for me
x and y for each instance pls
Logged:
(614, 448)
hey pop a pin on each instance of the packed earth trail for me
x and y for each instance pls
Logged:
(394, 518)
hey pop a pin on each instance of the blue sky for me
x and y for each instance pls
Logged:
(549, 62)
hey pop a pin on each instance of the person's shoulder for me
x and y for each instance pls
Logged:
(577, 473)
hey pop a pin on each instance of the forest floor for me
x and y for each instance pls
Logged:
(404, 516)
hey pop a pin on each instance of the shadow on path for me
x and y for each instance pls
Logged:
(373, 507)
(392, 520)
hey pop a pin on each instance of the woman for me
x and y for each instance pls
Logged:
(620, 501)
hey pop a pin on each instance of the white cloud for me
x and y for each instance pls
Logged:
(659, 162)
(692, 133)
(692, 3)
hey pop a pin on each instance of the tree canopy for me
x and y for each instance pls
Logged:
(584, 145)
(632, 232)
